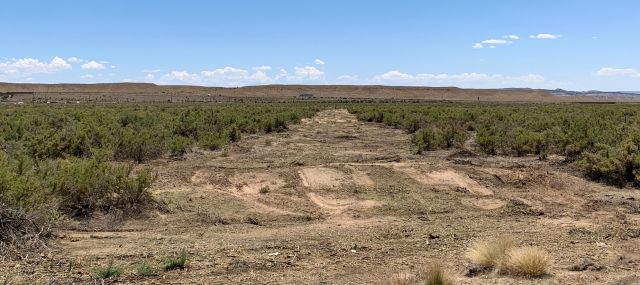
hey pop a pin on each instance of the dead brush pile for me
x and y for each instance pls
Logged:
(21, 231)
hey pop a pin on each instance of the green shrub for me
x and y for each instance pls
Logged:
(486, 143)
(212, 141)
(234, 133)
(425, 139)
(179, 262)
(108, 271)
(179, 145)
(145, 268)
(522, 141)
(450, 135)
(85, 186)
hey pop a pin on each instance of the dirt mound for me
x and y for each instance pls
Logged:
(447, 177)
(340, 204)
(252, 182)
(485, 204)
(317, 177)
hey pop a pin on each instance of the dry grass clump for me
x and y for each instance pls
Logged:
(436, 274)
(492, 253)
(501, 254)
(528, 261)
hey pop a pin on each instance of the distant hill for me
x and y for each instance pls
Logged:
(118, 92)
(148, 92)
(596, 93)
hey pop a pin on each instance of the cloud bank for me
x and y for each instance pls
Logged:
(608, 71)
(463, 80)
(25, 67)
(229, 76)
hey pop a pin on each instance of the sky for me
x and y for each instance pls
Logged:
(573, 45)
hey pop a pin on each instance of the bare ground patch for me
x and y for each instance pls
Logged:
(348, 203)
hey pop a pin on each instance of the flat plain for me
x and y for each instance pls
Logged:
(334, 200)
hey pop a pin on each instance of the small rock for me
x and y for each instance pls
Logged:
(274, 253)
(602, 244)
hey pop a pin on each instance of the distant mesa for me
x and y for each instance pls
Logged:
(596, 93)
(149, 92)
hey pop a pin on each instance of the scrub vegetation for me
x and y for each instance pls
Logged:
(73, 160)
(601, 140)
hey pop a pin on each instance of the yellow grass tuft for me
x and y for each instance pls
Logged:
(437, 275)
(528, 261)
(491, 253)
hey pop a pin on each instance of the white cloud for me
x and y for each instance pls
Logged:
(546, 36)
(260, 77)
(532, 37)
(102, 61)
(473, 79)
(27, 66)
(308, 73)
(261, 68)
(92, 65)
(477, 45)
(180, 76)
(127, 80)
(87, 76)
(608, 71)
(149, 77)
(496, 42)
(113, 66)
(348, 79)
(594, 38)
(227, 76)
(492, 46)
(230, 76)
(511, 37)
(75, 59)
(319, 62)
(151, 70)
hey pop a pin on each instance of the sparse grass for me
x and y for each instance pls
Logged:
(264, 190)
(528, 262)
(109, 271)
(492, 253)
(146, 268)
(403, 279)
(432, 275)
(177, 263)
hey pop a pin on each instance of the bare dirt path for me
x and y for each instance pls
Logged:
(337, 201)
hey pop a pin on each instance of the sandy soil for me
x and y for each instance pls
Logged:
(348, 203)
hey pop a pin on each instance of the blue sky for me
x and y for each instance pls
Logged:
(576, 45)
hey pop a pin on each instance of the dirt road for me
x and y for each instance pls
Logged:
(337, 201)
